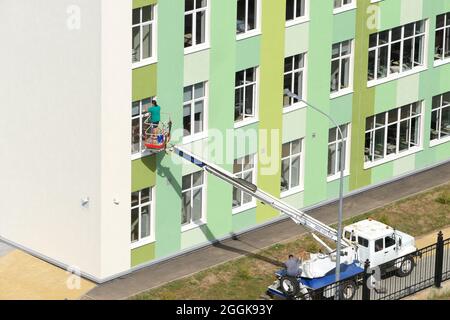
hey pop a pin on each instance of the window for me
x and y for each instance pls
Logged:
(363, 242)
(291, 163)
(379, 245)
(440, 117)
(390, 133)
(389, 242)
(247, 16)
(295, 9)
(141, 211)
(294, 75)
(195, 19)
(397, 50)
(194, 109)
(245, 95)
(244, 168)
(138, 125)
(343, 4)
(144, 35)
(341, 64)
(192, 198)
(442, 43)
(334, 150)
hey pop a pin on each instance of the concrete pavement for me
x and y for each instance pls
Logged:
(252, 242)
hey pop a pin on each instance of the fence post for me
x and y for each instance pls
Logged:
(366, 276)
(439, 260)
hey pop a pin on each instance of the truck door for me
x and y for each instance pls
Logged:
(390, 248)
(377, 256)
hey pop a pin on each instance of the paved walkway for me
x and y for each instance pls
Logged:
(254, 241)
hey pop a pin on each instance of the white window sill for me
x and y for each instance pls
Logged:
(345, 8)
(395, 76)
(197, 48)
(140, 155)
(245, 207)
(438, 142)
(337, 176)
(142, 242)
(441, 62)
(195, 137)
(297, 21)
(341, 93)
(295, 106)
(247, 35)
(193, 225)
(246, 122)
(290, 192)
(144, 63)
(368, 165)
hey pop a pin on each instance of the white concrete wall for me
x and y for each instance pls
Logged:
(59, 98)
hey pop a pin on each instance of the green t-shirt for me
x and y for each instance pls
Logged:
(155, 113)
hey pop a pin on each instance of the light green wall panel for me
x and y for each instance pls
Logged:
(390, 13)
(248, 53)
(196, 236)
(144, 82)
(333, 187)
(408, 90)
(341, 109)
(246, 140)
(382, 173)
(296, 200)
(296, 39)
(170, 96)
(142, 254)
(294, 125)
(196, 67)
(385, 97)
(270, 96)
(143, 173)
(244, 220)
(404, 165)
(344, 26)
(411, 10)
(143, 3)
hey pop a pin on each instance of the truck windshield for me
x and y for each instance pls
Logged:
(363, 242)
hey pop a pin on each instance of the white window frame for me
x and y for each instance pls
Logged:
(340, 58)
(203, 134)
(249, 119)
(397, 154)
(154, 24)
(151, 238)
(343, 7)
(438, 110)
(297, 104)
(296, 189)
(201, 46)
(240, 174)
(252, 32)
(401, 73)
(445, 30)
(300, 19)
(192, 224)
(347, 146)
(142, 150)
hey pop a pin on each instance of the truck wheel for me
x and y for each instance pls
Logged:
(406, 267)
(289, 286)
(348, 290)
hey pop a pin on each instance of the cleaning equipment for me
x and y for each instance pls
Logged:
(157, 139)
(365, 240)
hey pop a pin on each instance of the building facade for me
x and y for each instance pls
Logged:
(219, 69)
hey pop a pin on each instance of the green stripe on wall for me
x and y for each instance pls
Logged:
(144, 82)
(142, 254)
(143, 3)
(143, 173)
(363, 99)
(170, 97)
(270, 100)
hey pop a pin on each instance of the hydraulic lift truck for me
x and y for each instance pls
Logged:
(367, 239)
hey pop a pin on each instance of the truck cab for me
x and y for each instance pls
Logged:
(379, 243)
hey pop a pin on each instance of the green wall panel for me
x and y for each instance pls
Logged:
(142, 254)
(196, 67)
(271, 95)
(143, 3)
(244, 220)
(297, 39)
(143, 173)
(144, 82)
(247, 52)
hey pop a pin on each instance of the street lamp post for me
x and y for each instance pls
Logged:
(341, 181)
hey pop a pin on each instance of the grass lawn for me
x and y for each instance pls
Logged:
(248, 277)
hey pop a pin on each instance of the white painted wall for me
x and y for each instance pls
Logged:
(64, 131)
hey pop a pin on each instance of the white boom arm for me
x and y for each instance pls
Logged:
(296, 215)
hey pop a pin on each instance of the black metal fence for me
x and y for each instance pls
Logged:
(393, 280)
